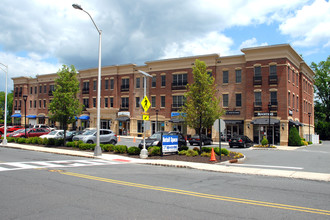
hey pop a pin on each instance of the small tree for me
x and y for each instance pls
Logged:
(65, 104)
(264, 141)
(294, 138)
(202, 106)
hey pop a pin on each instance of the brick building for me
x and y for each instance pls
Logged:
(270, 81)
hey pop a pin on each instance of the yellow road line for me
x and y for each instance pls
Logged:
(201, 195)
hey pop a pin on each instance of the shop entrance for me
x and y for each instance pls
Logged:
(233, 129)
(272, 133)
(105, 124)
(123, 128)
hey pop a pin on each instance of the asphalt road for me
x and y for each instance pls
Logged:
(62, 187)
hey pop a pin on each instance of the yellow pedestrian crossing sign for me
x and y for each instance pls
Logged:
(145, 104)
(145, 117)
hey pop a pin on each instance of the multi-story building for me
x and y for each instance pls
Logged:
(264, 82)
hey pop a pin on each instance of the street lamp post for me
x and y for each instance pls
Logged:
(25, 98)
(97, 150)
(144, 152)
(269, 107)
(309, 121)
(4, 141)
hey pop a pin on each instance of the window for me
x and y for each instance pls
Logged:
(94, 102)
(85, 87)
(180, 79)
(225, 100)
(297, 102)
(44, 103)
(30, 103)
(297, 79)
(209, 73)
(153, 81)
(35, 104)
(137, 83)
(225, 77)
(112, 83)
(257, 71)
(140, 126)
(125, 84)
(153, 101)
(257, 99)
(293, 101)
(106, 84)
(31, 90)
(178, 101)
(238, 100)
(238, 76)
(289, 99)
(111, 102)
(35, 90)
(162, 101)
(86, 103)
(40, 89)
(52, 88)
(45, 89)
(289, 73)
(137, 102)
(273, 70)
(94, 85)
(106, 104)
(163, 80)
(293, 77)
(124, 102)
(273, 98)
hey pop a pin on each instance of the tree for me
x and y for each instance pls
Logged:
(322, 90)
(202, 107)
(294, 138)
(65, 104)
(9, 107)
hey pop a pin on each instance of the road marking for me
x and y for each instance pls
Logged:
(201, 195)
(267, 166)
(11, 166)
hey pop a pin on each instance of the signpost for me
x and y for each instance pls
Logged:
(219, 125)
(145, 105)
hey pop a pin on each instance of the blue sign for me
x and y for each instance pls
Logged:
(170, 143)
(175, 114)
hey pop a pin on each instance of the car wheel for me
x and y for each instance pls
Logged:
(90, 142)
(112, 142)
(191, 144)
(230, 146)
(211, 142)
(245, 146)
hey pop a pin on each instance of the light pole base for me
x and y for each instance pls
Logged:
(97, 151)
(4, 142)
(144, 154)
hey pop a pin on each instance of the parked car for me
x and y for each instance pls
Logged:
(196, 140)
(10, 128)
(44, 126)
(155, 139)
(89, 136)
(57, 134)
(31, 132)
(15, 132)
(240, 141)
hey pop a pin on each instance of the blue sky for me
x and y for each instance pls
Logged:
(38, 36)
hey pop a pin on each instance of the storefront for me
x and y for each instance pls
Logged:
(32, 120)
(263, 127)
(123, 125)
(16, 119)
(233, 128)
(84, 122)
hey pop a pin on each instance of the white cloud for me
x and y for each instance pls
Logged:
(310, 25)
(251, 43)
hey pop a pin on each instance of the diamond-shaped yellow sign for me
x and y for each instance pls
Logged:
(145, 117)
(145, 103)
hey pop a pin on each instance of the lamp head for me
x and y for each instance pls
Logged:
(25, 97)
(76, 6)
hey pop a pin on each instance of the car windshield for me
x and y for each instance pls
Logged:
(89, 132)
(19, 131)
(155, 136)
(53, 133)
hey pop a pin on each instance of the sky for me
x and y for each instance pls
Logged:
(39, 36)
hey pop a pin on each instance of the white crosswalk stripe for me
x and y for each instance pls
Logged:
(11, 166)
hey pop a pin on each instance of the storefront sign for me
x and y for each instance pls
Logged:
(128, 114)
(258, 114)
(233, 112)
(17, 111)
(170, 143)
(175, 114)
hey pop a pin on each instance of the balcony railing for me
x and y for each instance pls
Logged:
(85, 91)
(179, 86)
(257, 106)
(124, 108)
(124, 88)
(176, 107)
(272, 79)
(273, 105)
(257, 80)
(17, 108)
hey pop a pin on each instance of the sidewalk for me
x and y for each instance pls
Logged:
(181, 164)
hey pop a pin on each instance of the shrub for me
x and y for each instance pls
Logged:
(77, 143)
(21, 140)
(305, 143)
(59, 142)
(183, 148)
(154, 151)
(10, 139)
(51, 142)
(206, 154)
(320, 142)
(183, 152)
(225, 151)
(107, 147)
(206, 149)
(294, 138)
(309, 142)
(121, 149)
(40, 141)
(85, 146)
(197, 149)
(35, 140)
(70, 144)
(191, 153)
(133, 151)
(264, 141)
(28, 141)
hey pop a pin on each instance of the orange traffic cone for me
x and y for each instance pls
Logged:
(134, 140)
(118, 138)
(213, 155)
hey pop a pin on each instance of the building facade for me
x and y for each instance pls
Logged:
(266, 90)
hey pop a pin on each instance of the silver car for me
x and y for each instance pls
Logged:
(89, 136)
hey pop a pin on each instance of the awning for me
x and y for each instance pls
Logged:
(296, 123)
(124, 118)
(176, 120)
(16, 116)
(31, 116)
(84, 117)
(234, 121)
(265, 121)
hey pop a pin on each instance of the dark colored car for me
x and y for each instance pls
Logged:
(196, 140)
(30, 132)
(240, 141)
(155, 139)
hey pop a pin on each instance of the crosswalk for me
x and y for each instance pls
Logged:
(12, 166)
